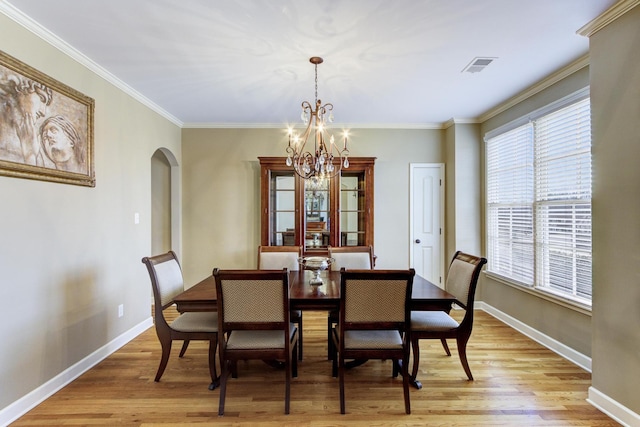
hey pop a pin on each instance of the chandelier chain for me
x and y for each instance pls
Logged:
(316, 99)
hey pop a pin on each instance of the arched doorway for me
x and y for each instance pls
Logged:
(165, 203)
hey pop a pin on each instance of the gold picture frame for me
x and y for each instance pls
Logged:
(46, 127)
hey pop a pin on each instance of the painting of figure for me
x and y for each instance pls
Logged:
(46, 128)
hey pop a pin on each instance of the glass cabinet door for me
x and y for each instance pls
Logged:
(317, 214)
(282, 217)
(352, 209)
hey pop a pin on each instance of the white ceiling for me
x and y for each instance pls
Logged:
(386, 63)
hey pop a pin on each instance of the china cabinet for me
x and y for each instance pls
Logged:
(316, 214)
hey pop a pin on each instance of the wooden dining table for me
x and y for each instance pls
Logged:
(425, 296)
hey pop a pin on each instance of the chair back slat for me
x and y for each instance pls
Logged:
(279, 257)
(375, 296)
(351, 257)
(170, 282)
(462, 277)
(166, 278)
(279, 260)
(252, 301)
(375, 300)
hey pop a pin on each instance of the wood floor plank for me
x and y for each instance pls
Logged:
(517, 382)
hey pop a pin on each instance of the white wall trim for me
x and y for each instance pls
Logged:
(40, 394)
(615, 410)
(552, 344)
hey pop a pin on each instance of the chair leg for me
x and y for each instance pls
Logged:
(166, 351)
(183, 350)
(341, 370)
(224, 376)
(415, 346)
(213, 346)
(334, 357)
(300, 337)
(462, 352)
(294, 363)
(330, 352)
(405, 382)
(287, 386)
(445, 346)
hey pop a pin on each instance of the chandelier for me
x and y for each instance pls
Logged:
(325, 159)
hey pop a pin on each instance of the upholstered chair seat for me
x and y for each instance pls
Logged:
(432, 321)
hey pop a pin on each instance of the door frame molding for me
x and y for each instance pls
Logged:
(412, 168)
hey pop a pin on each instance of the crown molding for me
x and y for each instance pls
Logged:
(575, 66)
(606, 18)
(25, 21)
(454, 121)
(415, 126)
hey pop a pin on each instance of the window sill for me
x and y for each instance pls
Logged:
(563, 301)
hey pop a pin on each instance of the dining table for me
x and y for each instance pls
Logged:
(425, 296)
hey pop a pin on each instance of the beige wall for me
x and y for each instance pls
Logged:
(69, 255)
(221, 193)
(463, 190)
(615, 95)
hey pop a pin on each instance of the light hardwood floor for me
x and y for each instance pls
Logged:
(517, 383)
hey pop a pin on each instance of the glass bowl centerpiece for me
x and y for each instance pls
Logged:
(315, 264)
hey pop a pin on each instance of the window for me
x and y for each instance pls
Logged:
(539, 201)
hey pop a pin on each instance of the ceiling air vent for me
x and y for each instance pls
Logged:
(478, 64)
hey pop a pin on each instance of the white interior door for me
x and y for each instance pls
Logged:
(427, 214)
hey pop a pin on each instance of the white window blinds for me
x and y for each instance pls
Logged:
(563, 200)
(510, 204)
(539, 202)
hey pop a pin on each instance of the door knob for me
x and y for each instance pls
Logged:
(417, 240)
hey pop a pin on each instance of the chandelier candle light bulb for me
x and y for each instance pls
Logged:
(319, 162)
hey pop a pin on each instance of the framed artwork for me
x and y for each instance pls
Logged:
(46, 127)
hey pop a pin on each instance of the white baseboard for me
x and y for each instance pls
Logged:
(556, 346)
(37, 396)
(615, 410)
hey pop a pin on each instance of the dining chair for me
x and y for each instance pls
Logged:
(374, 322)
(167, 282)
(461, 282)
(349, 257)
(254, 323)
(277, 258)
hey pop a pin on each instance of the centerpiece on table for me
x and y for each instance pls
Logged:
(315, 264)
